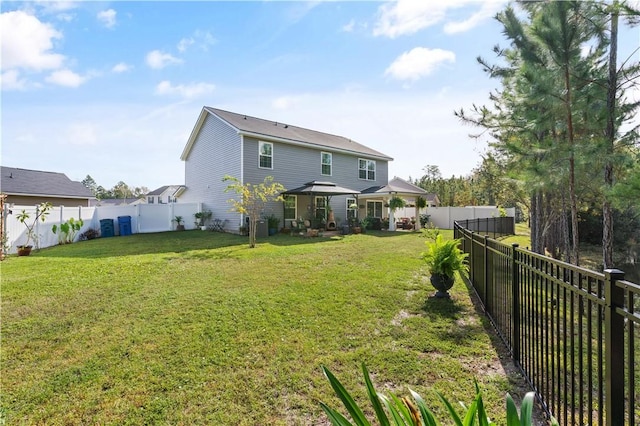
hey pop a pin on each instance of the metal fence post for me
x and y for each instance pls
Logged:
(471, 253)
(485, 284)
(614, 348)
(515, 304)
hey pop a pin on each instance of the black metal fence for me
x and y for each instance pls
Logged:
(574, 333)
(493, 226)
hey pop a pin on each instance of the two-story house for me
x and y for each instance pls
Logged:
(249, 148)
(165, 194)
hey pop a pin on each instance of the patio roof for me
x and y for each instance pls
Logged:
(396, 186)
(322, 188)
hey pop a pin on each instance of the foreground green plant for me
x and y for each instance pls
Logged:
(405, 412)
(67, 231)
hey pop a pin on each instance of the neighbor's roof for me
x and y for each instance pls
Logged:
(15, 181)
(283, 132)
(162, 189)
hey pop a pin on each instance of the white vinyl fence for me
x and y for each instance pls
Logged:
(145, 218)
(443, 217)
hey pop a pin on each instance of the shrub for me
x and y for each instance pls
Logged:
(404, 411)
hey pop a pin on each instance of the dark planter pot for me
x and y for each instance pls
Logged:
(442, 283)
(24, 250)
(179, 227)
(273, 231)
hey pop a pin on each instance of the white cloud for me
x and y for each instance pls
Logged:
(10, 80)
(27, 42)
(286, 102)
(418, 62)
(65, 17)
(185, 43)
(487, 11)
(402, 17)
(201, 39)
(82, 134)
(157, 59)
(66, 78)
(50, 6)
(347, 28)
(121, 67)
(107, 17)
(189, 91)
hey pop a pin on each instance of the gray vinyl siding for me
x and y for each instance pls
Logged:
(215, 153)
(293, 166)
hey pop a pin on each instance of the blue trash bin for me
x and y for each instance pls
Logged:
(124, 225)
(106, 228)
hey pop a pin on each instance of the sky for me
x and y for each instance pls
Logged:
(114, 89)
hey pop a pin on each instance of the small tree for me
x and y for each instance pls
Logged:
(252, 199)
(42, 210)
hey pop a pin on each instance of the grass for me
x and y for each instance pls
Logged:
(196, 328)
(590, 255)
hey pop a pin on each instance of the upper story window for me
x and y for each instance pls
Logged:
(326, 161)
(366, 169)
(150, 200)
(265, 155)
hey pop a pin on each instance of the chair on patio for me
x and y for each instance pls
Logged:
(296, 228)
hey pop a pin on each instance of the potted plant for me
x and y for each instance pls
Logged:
(355, 226)
(272, 224)
(202, 218)
(396, 203)
(178, 220)
(42, 210)
(444, 258)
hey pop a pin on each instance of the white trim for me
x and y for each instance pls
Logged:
(322, 153)
(242, 159)
(366, 210)
(375, 170)
(260, 154)
(295, 208)
(194, 134)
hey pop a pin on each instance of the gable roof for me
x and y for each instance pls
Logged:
(162, 189)
(14, 181)
(281, 132)
(396, 185)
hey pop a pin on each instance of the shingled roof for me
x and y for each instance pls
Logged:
(283, 132)
(14, 181)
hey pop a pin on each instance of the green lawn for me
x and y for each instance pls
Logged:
(196, 328)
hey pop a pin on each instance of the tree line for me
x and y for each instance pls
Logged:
(119, 191)
(563, 142)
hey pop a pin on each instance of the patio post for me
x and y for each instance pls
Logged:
(392, 220)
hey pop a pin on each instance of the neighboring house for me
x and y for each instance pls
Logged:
(248, 148)
(31, 187)
(119, 201)
(165, 194)
(432, 200)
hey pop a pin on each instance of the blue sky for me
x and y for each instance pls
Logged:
(113, 89)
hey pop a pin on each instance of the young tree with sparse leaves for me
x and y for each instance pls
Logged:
(252, 200)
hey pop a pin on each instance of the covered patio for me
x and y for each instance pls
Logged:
(319, 210)
(376, 198)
